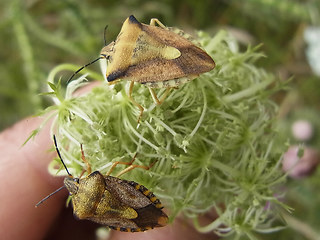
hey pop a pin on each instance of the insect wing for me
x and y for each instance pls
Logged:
(138, 198)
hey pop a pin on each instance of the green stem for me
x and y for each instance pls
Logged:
(224, 168)
(301, 227)
(247, 92)
(26, 53)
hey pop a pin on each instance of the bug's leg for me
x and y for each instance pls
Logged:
(131, 166)
(155, 98)
(153, 22)
(82, 172)
(124, 163)
(85, 161)
(134, 102)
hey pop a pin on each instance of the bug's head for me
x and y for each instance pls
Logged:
(72, 184)
(107, 51)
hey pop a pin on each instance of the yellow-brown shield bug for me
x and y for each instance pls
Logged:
(156, 56)
(119, 204)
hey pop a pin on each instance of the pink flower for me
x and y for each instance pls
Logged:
(300, 167)
(302, 130)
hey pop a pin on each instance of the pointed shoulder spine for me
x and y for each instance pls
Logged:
(133, 20)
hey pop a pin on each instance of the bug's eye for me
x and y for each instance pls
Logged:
(76, 180)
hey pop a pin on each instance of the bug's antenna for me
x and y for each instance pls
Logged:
(104, 35)
(84, 66)
(55, 144)
(44, 199)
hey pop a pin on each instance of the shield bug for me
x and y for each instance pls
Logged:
(156, 56)
(119, 204)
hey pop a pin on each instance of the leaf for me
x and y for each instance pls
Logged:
(32, 135)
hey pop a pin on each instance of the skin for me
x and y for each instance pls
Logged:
(25, 180)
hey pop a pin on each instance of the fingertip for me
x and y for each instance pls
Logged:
(26, 181)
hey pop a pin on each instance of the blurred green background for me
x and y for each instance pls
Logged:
(38, 35)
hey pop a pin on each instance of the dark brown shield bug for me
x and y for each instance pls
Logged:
(119, 204)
